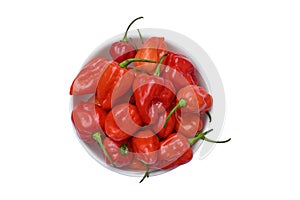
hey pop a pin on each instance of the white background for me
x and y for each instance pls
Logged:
(255, 46)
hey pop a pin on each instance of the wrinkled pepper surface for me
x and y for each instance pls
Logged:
(119, 152)
(88, 118)
(122, 122)
(153, 94)
(152, 49)
(180, 71)
(115, 81)
(86, 81)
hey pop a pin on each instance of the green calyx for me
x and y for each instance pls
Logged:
(124, 150)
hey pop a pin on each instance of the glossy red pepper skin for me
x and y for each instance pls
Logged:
(121, 51)
(198, 100)
(185, 158)
(159, 128)
(188, 124)
(173, 147)
(114, 151)
(152, 49)
(122, 122)
(145, 146)
(88, 118)
(114, 82)
(86, 81)
(152, 93)
(180, 71)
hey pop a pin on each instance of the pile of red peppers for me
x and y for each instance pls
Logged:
(145, 108)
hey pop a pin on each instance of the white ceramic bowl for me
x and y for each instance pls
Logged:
(209, 79)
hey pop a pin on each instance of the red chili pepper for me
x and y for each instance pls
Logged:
(152, 49)
(180, 71)
(122, 122)
(122, 50)
(198, 100)
(176, 149)
(87, 80)
(119, 152)
(173, 147)
(188, 124)
(192, 98)
(88, 118)
(152, 92)
(115, 81)
(145, 146)
(185, 158)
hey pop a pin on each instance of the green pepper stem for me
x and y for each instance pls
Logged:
(157, 70)
(200, 135)
(125, 35)
(140, 36)
(181, 104)
(124, 149)
(146, 175)
(97, 136)
(134, 44)
(213, 141)
(130, 60)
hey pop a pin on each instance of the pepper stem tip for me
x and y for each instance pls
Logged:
(146, 175)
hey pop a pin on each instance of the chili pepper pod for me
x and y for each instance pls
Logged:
(198, 100)
(188, 124)
(122, 122)
(145, 146)
(180, 71)
(173, 151)
(152, 49)
(192, 99)
(176, 149)
(185, 158)
(115, 81)
(173, 147)
(87, 79)
(119, 152)
(153, 94)
(122, 50)
(88, 118)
